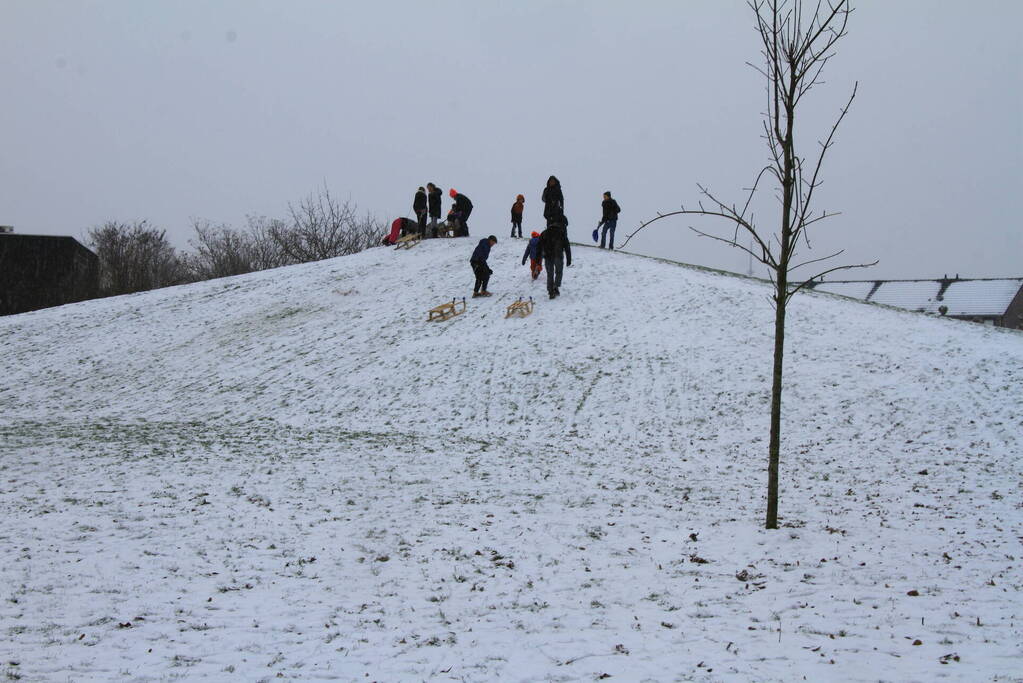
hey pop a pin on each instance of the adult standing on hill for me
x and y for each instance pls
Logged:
(419, 206)
(553, 199)
(433, 196)
(609, 219)
(556, 251)
(480, 269)
(463, 207)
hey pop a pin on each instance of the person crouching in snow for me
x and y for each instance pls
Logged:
(463, 207)
(534, 255)
(478, 261)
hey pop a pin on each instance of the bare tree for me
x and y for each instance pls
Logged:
(796, 44)
(221, 251)
(265, 252)
(321, 227)
(134, 257)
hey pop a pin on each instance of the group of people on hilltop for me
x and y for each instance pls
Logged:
(550, 248)
(427, 207)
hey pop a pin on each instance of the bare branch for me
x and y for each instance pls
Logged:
(816, 260)
(733, 243)
(801, 223)
(830, 270)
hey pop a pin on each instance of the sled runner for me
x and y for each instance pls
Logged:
(408, 241)
(520, 308)
(447, 310)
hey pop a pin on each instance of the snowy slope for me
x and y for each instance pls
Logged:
(292, 474)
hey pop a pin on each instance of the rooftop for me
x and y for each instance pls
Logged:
(979, 297)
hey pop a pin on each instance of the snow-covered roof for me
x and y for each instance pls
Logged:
(988, 297)
(915, 296)
(980, 297)
(856, 290)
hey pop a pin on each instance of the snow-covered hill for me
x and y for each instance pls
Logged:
(292, 474)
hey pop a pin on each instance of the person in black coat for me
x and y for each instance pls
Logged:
(419, 206)
(609, 219)
(463, 207)
(480, 269)
(553, 199)
(433, 196)
(556, 252)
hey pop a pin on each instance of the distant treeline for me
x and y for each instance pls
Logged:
(136, 257)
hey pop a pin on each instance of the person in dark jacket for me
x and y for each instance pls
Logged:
(609, 219)
(553, 200)
(478, 261)
(433, 196)
(419, 206)
(556, 252)
(533, 254)
(463, 207)
(516, 215)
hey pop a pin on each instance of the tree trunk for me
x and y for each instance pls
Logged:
(774, 448)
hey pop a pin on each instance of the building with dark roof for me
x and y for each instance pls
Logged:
(993, 301)
(40, 271)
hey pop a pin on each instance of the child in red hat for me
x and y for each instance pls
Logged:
(535, 257)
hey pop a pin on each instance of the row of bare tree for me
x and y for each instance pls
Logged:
(136, 257)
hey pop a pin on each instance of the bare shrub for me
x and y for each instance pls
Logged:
(321, 227)
(134, 257)
(222, 251)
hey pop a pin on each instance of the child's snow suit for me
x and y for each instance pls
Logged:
(535, 257)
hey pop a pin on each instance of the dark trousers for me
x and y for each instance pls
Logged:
(517, 225)
(555, 266)
(421, 216)
(608, 226)
(482, 272)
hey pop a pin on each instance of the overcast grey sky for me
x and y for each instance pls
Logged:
(167, 110)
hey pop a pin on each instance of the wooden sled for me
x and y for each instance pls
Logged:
(520, 308)
(408, 241)
(447, 311)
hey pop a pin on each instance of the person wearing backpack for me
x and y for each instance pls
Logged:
(534, 255)
(516, 215)
(480, 269)
(609, 219)
(556, 252)
(463, 207)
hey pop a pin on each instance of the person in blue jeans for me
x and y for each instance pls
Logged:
(609, 219)
(556, 250)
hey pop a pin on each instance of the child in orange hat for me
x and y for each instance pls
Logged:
(462, 207)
